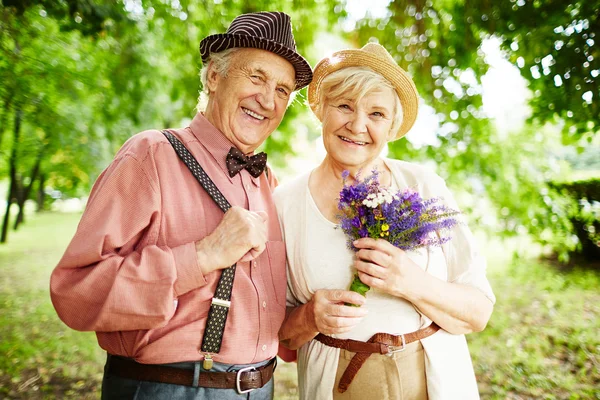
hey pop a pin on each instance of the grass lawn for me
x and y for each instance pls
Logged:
(542, 341)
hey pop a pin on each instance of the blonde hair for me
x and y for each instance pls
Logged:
(355, 83)
(221, 63)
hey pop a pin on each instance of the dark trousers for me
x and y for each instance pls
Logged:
(117, 388)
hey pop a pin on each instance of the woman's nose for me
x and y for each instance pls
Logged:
(357, 123)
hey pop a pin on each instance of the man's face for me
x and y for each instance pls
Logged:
(248, 103)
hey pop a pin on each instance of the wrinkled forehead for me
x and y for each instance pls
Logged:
(270, 64)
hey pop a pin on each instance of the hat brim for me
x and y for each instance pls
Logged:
(223, 41)
(400, 80)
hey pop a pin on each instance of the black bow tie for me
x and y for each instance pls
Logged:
(236, 161)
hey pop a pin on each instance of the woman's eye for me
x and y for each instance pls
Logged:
(377, 114)
(283, 91)
(344, 106)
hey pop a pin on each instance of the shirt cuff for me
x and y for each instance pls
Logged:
(189, 274)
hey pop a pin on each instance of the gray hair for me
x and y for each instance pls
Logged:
(221, 62)
(355, 83)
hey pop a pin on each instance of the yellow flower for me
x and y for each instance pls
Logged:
(385, 227)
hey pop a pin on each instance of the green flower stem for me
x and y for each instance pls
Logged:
(358, 287)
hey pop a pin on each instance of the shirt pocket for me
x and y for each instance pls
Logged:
(276, 274)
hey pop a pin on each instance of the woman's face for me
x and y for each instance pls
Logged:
(354, 133)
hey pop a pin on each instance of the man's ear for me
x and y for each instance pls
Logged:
(212, 77)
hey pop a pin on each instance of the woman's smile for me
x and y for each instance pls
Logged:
(352, 142)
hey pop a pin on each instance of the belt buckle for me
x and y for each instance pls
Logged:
(395, 349)
(238, 376)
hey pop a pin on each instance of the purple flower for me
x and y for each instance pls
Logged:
(411, 221)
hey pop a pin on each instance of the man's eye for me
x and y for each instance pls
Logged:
(377, 114)
(283, 91)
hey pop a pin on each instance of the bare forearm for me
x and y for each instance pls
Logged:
(298, 326)
(455, 307)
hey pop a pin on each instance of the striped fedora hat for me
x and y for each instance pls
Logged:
(271, 31)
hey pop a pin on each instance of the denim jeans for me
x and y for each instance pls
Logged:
(117, 388)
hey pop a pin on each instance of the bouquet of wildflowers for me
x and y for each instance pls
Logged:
(403, 218)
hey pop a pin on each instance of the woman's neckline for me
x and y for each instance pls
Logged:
(393, 184)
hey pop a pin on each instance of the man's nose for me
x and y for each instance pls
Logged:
(266, 98)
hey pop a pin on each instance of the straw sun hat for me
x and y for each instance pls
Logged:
(375, 57)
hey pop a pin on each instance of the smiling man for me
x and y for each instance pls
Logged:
(149, 268)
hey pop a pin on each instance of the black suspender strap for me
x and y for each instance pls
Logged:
(217, 316)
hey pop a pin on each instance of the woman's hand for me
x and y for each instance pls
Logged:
(383, 266)
(456, 308)
(331, 316)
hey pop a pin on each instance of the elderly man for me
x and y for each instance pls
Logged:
(187, 301)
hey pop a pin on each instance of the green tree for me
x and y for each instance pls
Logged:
(79, 78)
(552, 42)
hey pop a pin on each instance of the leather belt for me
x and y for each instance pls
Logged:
(244, 380)
(379, 343)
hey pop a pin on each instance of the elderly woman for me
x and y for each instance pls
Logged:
(406, 341)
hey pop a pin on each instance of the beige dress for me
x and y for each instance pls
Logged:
(319, 259)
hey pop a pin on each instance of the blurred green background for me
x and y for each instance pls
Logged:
(509, 117)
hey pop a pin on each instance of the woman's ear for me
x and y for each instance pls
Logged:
(212, 77)
(392, 133)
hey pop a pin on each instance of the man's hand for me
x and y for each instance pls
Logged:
(240, 236)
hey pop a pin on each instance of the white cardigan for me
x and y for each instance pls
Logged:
(448, 365)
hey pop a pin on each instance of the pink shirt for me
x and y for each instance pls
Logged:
(131, 272)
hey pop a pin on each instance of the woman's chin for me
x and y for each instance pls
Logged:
(352, 160)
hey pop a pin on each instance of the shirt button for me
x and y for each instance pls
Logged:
(264, 347)
(264, 304)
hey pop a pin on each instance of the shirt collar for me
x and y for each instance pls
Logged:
(216, 143)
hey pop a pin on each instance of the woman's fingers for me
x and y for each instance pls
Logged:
(375, 256)
(329, 324)
(371, 269)
(332, 316)
(370, 280)
(374, 244)
(341, 296)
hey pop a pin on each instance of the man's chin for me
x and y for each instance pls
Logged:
(248, 145)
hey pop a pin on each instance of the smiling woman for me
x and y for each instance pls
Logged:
(422, 302)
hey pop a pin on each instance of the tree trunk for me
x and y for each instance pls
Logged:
(17, 191)
(4, 117)
(26, 191)
(41, 194)
(13, 175)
